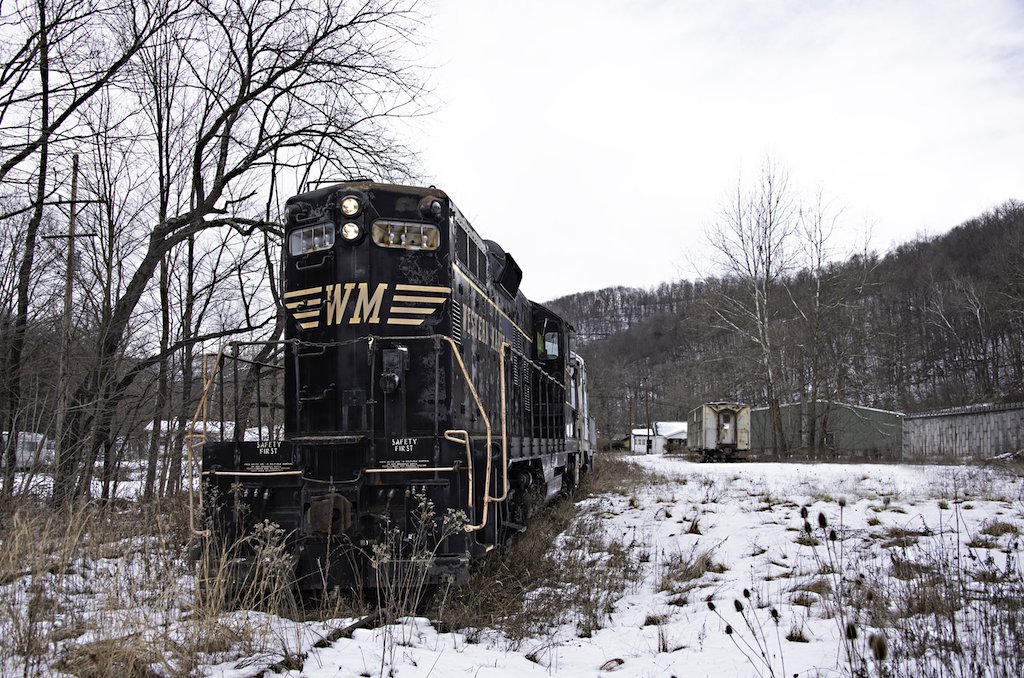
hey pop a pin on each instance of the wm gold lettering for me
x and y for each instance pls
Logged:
(362, 302)
(368, 307)
(337, 302)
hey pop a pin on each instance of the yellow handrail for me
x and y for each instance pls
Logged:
(504, 431)
(487, 424)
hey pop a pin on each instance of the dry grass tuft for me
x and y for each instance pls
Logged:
(796, 634)
(655, 619)
(121, 657)
(999, 528)
(901, 537)
(818, 585)
(906, 569)
(563, 569)
(679, 569)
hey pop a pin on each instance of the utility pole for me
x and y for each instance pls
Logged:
(64, 366)
(646, 381)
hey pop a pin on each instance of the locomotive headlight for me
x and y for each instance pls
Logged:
(350, 207)
(350, 230)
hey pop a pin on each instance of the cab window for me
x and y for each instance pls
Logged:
(547, 345)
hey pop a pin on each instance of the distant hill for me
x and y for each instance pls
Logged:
(935, 322)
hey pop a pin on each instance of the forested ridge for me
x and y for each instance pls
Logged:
(936, 322)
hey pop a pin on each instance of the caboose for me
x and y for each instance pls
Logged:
(719, 431)
(417, 410)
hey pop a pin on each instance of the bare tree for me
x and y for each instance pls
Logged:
(753, 243)
(257, 85)
(57, 56)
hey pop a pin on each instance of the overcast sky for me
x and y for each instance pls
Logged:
(598, 140)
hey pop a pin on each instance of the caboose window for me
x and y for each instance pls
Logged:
(311, 239)
(405, 235)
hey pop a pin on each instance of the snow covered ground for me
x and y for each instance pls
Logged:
(791, 595)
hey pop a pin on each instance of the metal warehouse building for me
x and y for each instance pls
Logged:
(843, 432)
(964, 433)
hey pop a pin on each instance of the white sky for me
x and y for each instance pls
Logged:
(597, 141)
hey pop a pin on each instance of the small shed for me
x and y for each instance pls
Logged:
(669, 436)
(664, 436)
(641, 441)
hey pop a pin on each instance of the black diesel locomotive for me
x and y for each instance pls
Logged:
(416, 389)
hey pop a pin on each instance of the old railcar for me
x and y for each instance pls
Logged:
(719, 431)
(417, 410)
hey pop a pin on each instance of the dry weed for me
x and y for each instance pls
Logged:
(562, 569)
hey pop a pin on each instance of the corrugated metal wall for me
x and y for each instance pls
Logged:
(975, 432)
(844, 432)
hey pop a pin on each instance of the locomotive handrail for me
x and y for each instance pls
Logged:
(504, 429)
(487, 424)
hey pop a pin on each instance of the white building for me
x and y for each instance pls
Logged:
(33, 449)
(664, 435)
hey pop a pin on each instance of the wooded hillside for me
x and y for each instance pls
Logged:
(936, 322)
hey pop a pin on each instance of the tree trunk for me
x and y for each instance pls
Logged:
(14, 357)
(163, 387)
(187, 363)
